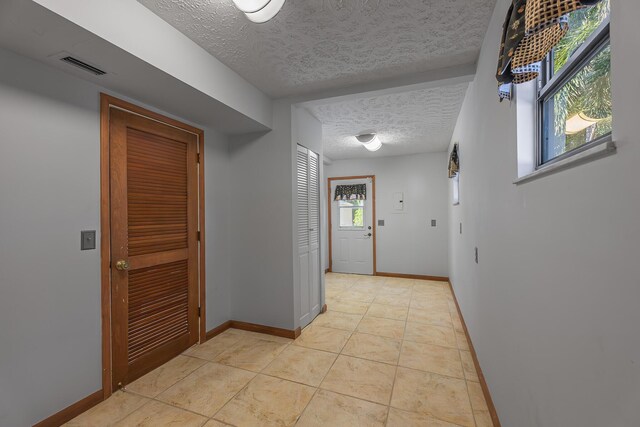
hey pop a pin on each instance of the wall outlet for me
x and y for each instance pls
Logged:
(433, 222)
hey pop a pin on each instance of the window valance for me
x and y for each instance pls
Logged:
(531, 29)
(351, 192)
(454, 162)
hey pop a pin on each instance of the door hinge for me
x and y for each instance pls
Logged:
(198, 158)
(199, 312)
(198, 236)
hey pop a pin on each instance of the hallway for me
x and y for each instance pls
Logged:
(388, 351)
(319, 212)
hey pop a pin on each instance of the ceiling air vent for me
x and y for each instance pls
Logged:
(83, 65)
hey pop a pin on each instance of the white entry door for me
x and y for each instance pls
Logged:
(308, 223)
(352, 231)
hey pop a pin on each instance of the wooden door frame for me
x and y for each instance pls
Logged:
(107, 102)
(373, 226)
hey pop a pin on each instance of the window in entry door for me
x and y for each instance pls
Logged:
(351, 214)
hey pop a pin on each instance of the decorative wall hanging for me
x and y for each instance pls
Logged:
(531, 29)
(454, 162)
(351, 192)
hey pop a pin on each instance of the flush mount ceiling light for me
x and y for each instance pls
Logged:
(370, 141)
(259, 11)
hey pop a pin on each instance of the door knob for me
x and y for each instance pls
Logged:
(122, 265)
(367, 235)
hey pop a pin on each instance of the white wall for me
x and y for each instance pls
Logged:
(407, 243)
(50, 351)
(552, 306)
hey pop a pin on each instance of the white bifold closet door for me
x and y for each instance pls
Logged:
(308, 222)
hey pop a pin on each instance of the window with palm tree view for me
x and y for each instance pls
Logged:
(351, 213)
(575, 89)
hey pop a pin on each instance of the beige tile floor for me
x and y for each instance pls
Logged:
(389, 352)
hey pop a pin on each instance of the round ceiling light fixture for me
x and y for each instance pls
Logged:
(370, 141)
(259, 11)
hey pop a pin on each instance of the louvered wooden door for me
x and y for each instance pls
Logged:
(154, 252)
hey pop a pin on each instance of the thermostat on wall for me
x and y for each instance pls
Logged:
(398, 201)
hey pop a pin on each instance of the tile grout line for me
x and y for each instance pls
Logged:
(325, 375)
(463, 372)
(345, 355)
(473, 415)
(355, 357)
(353, 397)
(155, 399)
(315, 391)
(221, 364)
(230, 399)
(395, 375)
(456, 348)
(318, 387)
(206, 361)
(289, 343)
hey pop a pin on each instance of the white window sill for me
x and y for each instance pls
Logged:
(594, 153)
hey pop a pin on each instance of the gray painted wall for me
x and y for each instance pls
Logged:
(50, 352)
(407, 243)
(262, 235)
(217, 193)
(164, 47)
(552, 306)
(261, 224)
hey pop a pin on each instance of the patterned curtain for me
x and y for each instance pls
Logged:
(351, 192)
(532, 28)
(454, 162)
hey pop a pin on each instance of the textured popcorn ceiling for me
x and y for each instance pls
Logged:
(313, 45)
(413, 122)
